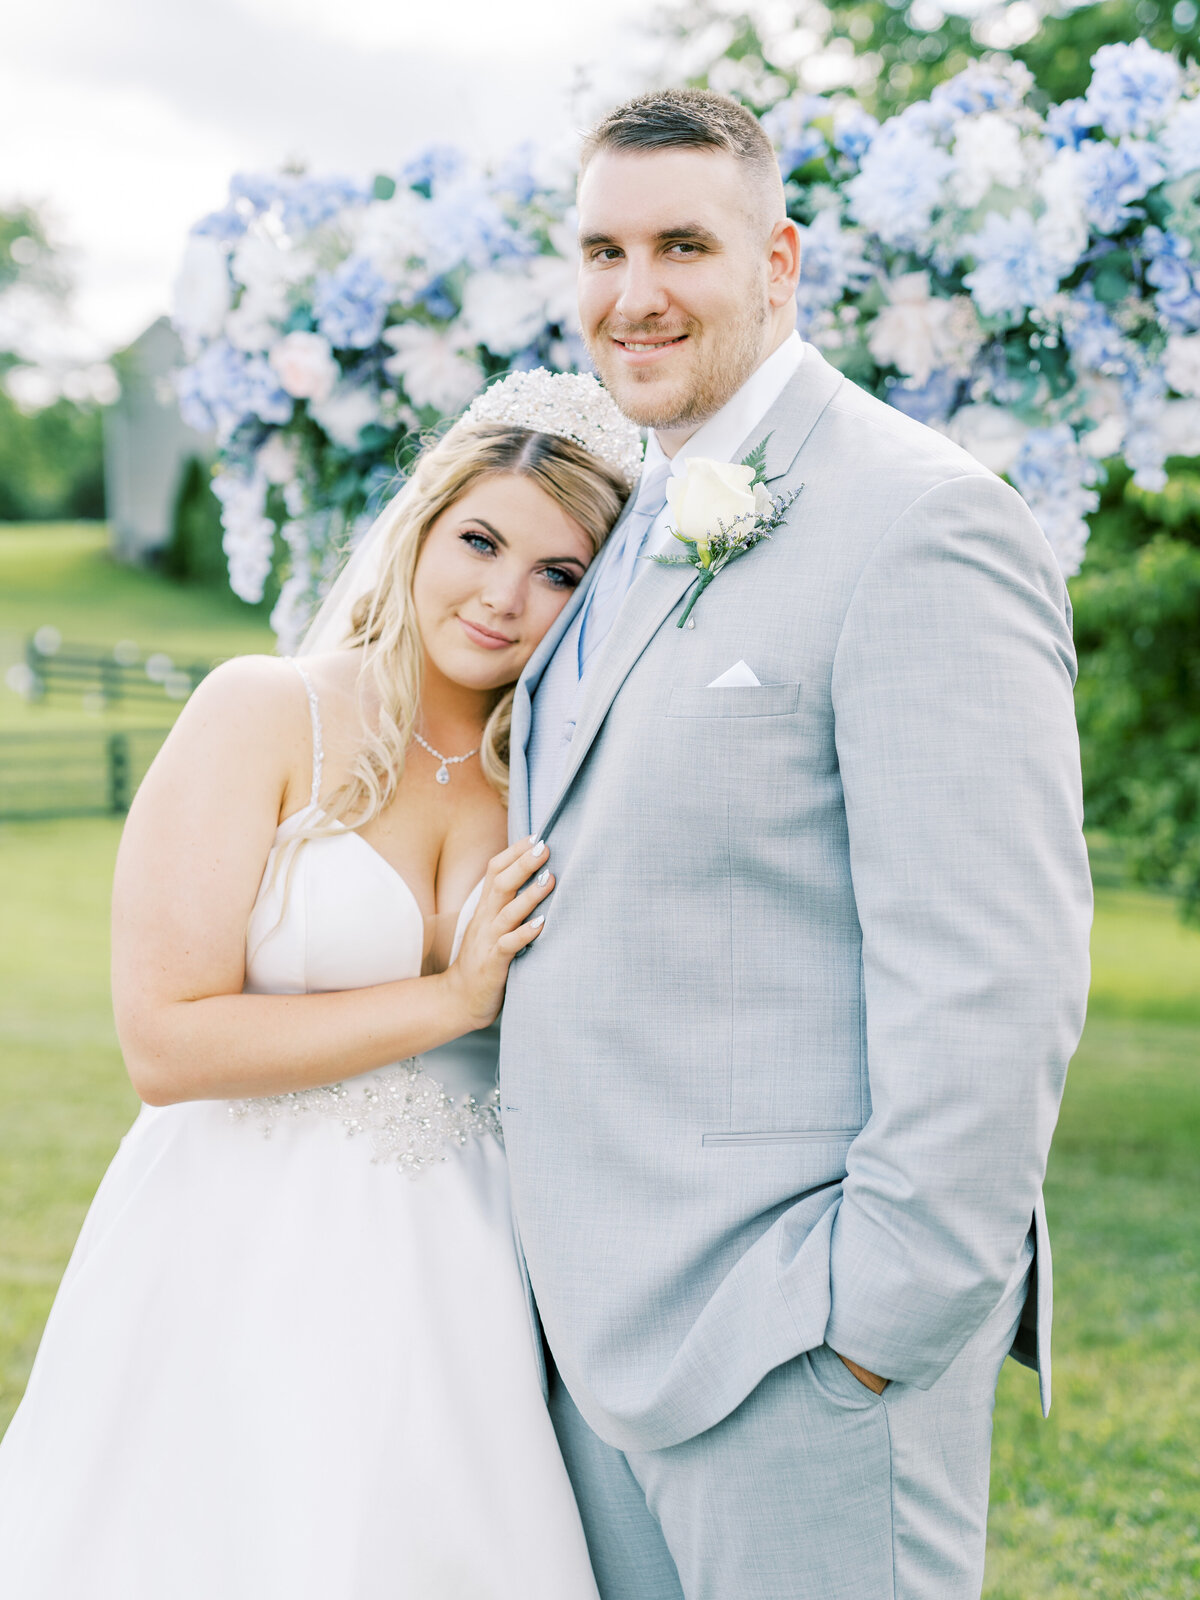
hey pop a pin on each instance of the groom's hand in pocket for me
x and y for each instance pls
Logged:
(870, 1380)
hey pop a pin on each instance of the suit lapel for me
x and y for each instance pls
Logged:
(795, 414)
(651, 600)
(519, 818)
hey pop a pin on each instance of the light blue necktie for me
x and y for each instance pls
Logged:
(620, 564)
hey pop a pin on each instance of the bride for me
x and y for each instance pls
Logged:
(291, 1355)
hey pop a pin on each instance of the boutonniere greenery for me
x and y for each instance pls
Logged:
(720, 510)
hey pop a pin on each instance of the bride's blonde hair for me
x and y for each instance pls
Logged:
(384, 623)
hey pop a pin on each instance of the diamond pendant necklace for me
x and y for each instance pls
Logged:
(443, 772)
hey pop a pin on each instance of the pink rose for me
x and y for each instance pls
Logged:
(306, 367)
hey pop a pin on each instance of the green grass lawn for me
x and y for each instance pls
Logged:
(61, 575)
(1103, 1499)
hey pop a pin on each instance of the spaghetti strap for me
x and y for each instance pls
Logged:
(318, 749)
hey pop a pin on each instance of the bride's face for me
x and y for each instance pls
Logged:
(495, 570)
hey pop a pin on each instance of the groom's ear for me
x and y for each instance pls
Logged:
(783, 262)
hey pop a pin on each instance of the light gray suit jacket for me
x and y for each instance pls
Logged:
(784, 1065)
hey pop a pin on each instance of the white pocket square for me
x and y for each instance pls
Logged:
(739, 676)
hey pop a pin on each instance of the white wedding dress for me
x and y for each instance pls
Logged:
(291, 1357)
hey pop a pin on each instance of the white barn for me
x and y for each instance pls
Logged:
(146, 445)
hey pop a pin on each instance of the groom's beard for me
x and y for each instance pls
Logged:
(722, 362)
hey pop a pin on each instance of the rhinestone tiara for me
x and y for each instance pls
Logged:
(570, 405)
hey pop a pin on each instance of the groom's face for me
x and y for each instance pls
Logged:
(674, 280)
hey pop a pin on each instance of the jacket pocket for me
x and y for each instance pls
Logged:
(766, 700)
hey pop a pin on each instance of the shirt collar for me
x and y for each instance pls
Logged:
(720, 436)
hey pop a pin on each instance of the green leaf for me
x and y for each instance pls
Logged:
(757, 460)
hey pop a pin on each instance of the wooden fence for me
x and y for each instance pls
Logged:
(70, 774)
(86, 772)
(110, 676)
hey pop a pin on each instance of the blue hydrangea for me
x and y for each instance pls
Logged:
(308, 202)
(256, 190)
(899, 184)
(227, 224)
(516, 175)
(464, 226)
(924, 120)
(1172, 273)
(1114, 176)
(1144, 448)
(1181, 139)
(853, 130)
(1093, 338)
(831, 262)
(351, 303)
(437, 300)
(225, 388)
(789, 127)
(1068, 124)
(1133, 87)
(1145, 451)
(432, 167)
(1014, 272)
(1056, 479)
(930, 402)
(976, 88)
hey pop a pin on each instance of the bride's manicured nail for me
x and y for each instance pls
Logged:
(536, 922)
(543, 877)
(539, 846)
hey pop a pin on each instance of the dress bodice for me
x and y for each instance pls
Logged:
(331, 914)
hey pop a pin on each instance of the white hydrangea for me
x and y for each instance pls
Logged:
(1104, 408)
(987, 153)
(268, 266)
(253, 324)
(432, 366)
(919, 333)
(556, 277)
(390, 234)
(992, 434)
(1181, 367)
(1181, 139)
(1180, 427)
(268, 271)
(1062, 225)
(345, 413)
(503, 310)
(249, 534)
(277, 459)
(202, 293)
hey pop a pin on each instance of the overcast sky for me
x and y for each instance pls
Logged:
(127, 117)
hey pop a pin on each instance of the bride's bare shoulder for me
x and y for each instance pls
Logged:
(250, 712)
(249, 690)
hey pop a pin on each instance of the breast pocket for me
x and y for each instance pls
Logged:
(763, 700)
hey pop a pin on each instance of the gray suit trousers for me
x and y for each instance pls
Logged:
(813, 1489)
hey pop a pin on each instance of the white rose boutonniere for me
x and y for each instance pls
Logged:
(720, 510)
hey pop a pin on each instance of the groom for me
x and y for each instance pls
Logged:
(779, 1079)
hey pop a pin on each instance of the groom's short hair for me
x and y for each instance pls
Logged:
(687, 119)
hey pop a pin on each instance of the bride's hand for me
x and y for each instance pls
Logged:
(498, 930)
